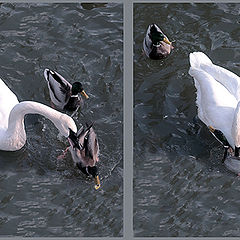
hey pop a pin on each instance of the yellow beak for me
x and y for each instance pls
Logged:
(97, 182)
(166, 41)
(84, 94)
(211, 129)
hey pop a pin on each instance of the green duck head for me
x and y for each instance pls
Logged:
(156, 36)
(78, 88)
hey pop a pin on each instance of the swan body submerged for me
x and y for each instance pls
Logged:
(218, 97)
(12, 129)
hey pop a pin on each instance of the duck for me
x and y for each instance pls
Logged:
(156, 44)
(84, 148)
(218, 101)
(12, 112)
(64, 96)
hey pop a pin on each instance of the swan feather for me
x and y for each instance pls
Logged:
(217, 96)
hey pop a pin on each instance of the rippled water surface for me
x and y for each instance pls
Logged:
(40, 195)
(181, 188)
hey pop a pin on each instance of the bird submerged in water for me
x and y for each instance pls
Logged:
(84, 149)
(64, 95)
(156, 44)
(218, 102)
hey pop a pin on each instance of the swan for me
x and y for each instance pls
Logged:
(156, 44)
(12, 112)
(84, 149)
(218, 99)
(64, 95)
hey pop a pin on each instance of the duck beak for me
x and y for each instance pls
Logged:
(211, 129)
(97, 182)
(167, 41)
(84, 94)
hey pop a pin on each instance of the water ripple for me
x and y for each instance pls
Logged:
(181, 188)
(40, 195)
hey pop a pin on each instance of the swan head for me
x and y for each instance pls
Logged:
(65, 124)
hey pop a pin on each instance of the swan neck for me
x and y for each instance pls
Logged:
(28, 107)
(15, 134)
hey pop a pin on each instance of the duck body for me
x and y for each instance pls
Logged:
(64, 95)
(156, 44)
(218, 97)
(84, 149)
(12, 112)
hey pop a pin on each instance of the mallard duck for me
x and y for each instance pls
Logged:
(64, 95)
(156, 44)
(84, 149)
(218, 99)
(12, 129)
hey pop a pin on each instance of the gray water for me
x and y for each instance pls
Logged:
(181, 188)
(39, 195)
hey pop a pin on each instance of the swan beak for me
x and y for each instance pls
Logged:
(167, 41)
(97, 182)
(84, 94)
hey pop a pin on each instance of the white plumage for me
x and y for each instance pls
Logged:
(12, 129)
(218, 95)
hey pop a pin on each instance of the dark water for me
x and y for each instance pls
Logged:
(181, 188)
(40, 195)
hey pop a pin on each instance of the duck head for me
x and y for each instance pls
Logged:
(78, 88)
(90, 171)
(157, 36)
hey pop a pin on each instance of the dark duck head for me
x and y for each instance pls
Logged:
(157, 36)
(156, 44)
(78, 88)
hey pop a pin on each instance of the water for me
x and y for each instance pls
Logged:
(181, 188)
(39, 195)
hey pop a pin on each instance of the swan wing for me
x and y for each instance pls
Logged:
(227, 78)
(60, 89)
(216, 106)
(7, 101)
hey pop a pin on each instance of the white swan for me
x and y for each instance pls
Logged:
(218, 97)
(12, 130)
